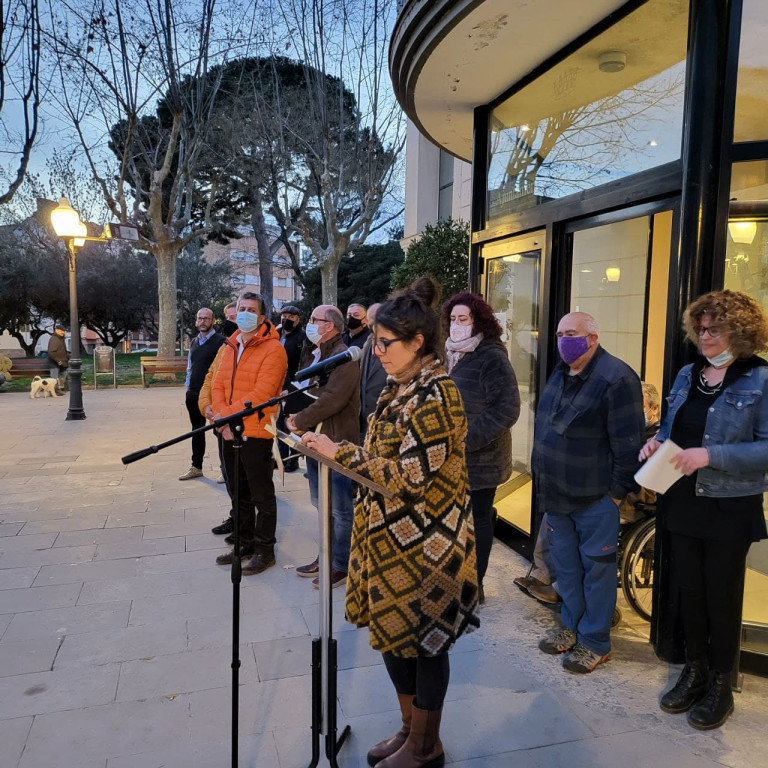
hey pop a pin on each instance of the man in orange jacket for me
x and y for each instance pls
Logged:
(252, 369)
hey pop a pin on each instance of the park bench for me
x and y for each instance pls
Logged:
(152, 365)
(29, 367)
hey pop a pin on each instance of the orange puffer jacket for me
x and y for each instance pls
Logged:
(256, 377)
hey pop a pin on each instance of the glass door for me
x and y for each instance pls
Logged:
(620, 275)
(512, 279)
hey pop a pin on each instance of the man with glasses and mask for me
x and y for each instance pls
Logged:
(588, 433)
(335, 412)
(252, 369)
(357, 332)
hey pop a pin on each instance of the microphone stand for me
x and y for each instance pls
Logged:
(235, 423)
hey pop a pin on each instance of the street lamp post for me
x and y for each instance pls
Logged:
(67, 225)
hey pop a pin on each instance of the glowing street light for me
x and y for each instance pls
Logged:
(67, 225)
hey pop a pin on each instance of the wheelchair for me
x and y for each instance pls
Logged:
(637, 544)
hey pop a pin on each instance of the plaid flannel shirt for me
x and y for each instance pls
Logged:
(589, 430)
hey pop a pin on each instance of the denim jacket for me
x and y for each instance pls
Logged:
(735, 434)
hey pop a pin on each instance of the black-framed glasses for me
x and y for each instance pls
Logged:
(317, 320)
(382, 345)
(713, 330)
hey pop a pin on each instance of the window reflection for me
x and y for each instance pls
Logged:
(612, 108)
(752, 85)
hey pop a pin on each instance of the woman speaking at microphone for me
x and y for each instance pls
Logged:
(412, 571)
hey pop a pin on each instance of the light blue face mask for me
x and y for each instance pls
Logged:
(247, 321)
(313, 332)
(718, 361)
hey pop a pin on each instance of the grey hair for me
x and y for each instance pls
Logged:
(652, 394)
(589, 322)
(333, 315)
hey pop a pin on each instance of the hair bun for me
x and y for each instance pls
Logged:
(425, 290)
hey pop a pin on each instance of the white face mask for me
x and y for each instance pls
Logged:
(460, 332)
(313, 332)
(718, 361)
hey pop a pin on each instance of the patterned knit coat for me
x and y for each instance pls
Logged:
(412, 570)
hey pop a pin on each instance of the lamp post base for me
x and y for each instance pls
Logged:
(75, 415)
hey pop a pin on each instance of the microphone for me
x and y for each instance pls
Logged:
(328, 365)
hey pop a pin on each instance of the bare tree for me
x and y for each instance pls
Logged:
(350, 155)
(19, 87)
(130, 73)
(579, 147)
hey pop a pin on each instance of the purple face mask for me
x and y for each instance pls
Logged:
(571, 348)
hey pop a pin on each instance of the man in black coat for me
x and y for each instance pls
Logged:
(293, 338)
(202, 351)
(373, 377)
(357, 332)
(58, 357)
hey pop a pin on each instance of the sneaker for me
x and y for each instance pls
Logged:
(225, 526)
(228, 557)
(259, 562)
(337, 579)
(310, 570)
(230, 539)
(558, 640)
(220, 479)
(581, 660)
(192, 473)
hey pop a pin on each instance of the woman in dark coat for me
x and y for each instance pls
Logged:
(476, 359)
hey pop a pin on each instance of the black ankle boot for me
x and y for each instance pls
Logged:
(713, 710)
(689, 688)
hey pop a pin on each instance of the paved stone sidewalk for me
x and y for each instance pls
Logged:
(115, 628)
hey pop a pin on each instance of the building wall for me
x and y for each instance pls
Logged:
(422, 185)
(243, 256)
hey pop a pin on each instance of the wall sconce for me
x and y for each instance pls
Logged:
(613, 274)
(742, 231)
(612, 61)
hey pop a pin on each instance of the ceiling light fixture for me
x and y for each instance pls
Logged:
(612, 61)
(742, 231)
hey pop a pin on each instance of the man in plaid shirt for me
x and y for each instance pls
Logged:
(589, 430)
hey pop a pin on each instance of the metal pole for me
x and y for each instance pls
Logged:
(76, 411)
(324, 575)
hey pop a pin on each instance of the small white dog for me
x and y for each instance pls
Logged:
(46, 386)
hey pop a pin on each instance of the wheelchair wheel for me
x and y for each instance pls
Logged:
(637, 568)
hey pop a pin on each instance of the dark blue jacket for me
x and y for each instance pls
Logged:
(491, 398)
(587, 437)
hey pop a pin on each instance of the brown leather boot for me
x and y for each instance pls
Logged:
(422, 748)
(388, 747)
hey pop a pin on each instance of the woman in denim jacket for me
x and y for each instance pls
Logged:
(718, 414)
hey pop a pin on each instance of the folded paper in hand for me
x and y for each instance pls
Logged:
(657, 474)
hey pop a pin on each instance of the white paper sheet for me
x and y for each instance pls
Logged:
(657, 474)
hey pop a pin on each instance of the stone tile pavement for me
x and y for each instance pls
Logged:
(115, 628)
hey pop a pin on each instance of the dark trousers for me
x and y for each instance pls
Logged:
(197, 420)
(710, 577)
(425, 678)
(485, 519)
(256, 491)
(220, 442)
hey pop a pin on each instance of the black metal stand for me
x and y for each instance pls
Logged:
(76, 412)
(324, 648)
(235, 423)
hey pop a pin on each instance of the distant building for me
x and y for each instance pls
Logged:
(243, 254)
